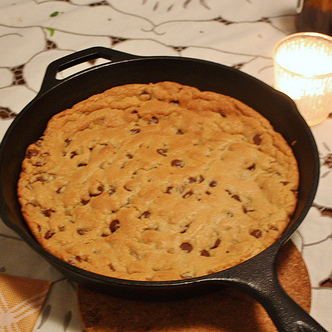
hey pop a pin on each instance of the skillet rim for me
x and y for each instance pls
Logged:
(53, 260)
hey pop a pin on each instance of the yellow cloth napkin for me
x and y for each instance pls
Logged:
(21, 300)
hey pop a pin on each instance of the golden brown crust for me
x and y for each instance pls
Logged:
(158, 182)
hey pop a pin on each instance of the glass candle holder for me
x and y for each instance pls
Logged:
(303, 71)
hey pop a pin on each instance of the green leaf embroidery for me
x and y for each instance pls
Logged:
(54, 14)
(51, 30)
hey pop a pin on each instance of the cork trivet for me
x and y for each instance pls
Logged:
(226, 310)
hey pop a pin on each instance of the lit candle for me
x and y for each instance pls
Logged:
(303, 70)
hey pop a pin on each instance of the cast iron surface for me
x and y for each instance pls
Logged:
(257, 276)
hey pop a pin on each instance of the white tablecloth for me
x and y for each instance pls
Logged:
(237, 33)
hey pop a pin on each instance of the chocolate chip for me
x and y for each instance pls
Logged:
(48, 212)
(126, 188)
(153, 120)
(98, 191)
(179, 132)
(134, 131)
(130, 156)
(49, 234)
(81, 164)
(236, 197)
(112, 191)
(216, 244)
(188, 194)
(251, 167)
(85, 201)
(213, 183)
(185, 229)
(246, 210)
(162, 152)
(168, 190)
(205, 253)
(114, 225)
(31, 153)
(193, 179)
(177, 163)
(82, 231)
(201, 179)
(285, 183)
(111, 267)
(60, 190)
(257, 233)
(67, 141)
(80, 258)
(186, 247)
(145, 214)
(257, 139)
(73, 154)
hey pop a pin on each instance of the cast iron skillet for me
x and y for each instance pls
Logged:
(257, 276)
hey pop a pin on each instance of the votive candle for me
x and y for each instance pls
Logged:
(303, 71)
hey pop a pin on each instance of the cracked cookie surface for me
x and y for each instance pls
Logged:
(158, 182)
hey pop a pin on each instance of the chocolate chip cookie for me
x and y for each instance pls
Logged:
(158, 182)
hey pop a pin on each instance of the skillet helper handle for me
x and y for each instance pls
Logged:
(260, 280)
(77, 58)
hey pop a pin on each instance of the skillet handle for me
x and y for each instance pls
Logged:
(259, 279)
(286, 314)
(77, 58)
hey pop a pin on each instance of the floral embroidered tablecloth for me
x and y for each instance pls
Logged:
(237, 33)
